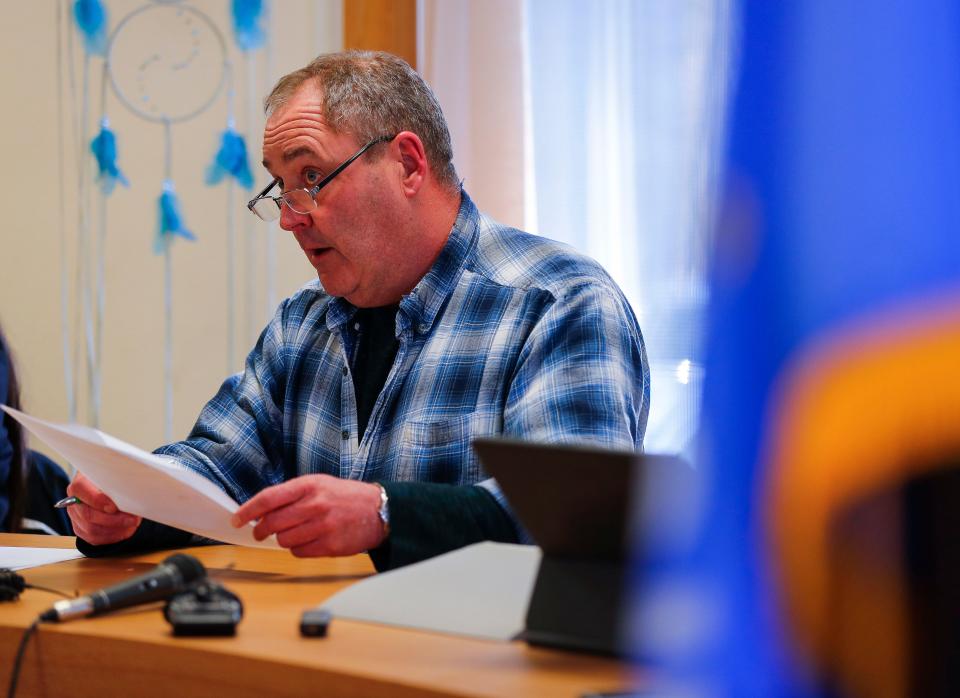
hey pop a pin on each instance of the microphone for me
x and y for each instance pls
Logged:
(171, 576)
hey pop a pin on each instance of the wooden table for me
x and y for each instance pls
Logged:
(133, 652)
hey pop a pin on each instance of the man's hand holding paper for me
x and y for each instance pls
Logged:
(316, 515)
(96, 518)
(120, 483)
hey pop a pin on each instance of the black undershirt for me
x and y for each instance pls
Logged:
(375, 351)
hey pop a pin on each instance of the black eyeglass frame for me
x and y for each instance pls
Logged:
(315, 189)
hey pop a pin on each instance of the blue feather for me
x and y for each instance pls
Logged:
(169, 221)
(104, 149)
(247, 15)
(91, 18)
(231, 159)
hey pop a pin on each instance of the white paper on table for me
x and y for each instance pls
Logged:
(141, 483)
(482, 590)
(14, 558)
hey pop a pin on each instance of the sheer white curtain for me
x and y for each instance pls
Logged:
(612, 110)
(471, 53)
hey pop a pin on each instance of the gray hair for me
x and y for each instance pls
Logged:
(370, 94)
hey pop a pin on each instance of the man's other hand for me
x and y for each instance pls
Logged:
(96, 518)
(317, 515)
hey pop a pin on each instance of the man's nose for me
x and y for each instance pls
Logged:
(291, 220)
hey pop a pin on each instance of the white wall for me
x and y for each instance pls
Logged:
(133, 328)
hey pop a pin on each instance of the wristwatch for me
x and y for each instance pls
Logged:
(384, 510)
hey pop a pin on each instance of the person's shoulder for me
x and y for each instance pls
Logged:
(46, 483)
(510, 257)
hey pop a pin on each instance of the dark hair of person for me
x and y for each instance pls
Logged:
(17, 479)
(368, 94)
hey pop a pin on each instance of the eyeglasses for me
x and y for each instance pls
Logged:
(301, 201)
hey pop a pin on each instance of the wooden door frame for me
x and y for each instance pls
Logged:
(382, 25)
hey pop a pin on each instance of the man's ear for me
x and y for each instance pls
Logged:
(413, 160)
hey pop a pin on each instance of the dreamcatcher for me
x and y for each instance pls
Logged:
(167, 63)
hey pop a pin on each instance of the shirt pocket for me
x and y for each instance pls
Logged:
(439, 451)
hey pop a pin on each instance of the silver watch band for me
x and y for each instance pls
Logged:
(384, 510)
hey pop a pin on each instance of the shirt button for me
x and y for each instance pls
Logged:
(356, 325)
(344, 370)
(345, 434)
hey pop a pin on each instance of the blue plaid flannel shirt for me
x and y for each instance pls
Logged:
(507, 334)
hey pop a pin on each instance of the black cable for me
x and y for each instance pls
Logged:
(15, 675)
(51, 591)
(11, 586)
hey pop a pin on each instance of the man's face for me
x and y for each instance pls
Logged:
(347, 237)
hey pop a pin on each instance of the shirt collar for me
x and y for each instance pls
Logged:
(420, 307)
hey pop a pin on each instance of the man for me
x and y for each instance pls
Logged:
(430, 325)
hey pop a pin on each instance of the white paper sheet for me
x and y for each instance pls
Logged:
(482, 590)
(22, 558)
(144, 484)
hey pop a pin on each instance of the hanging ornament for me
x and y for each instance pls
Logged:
(104, 149)
(91, 18)
(166, 63)
(231, 159)
(247, 15)
(169, 222)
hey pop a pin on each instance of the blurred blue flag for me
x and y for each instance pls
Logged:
(842, 203)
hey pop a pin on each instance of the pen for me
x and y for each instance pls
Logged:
(67, 501)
